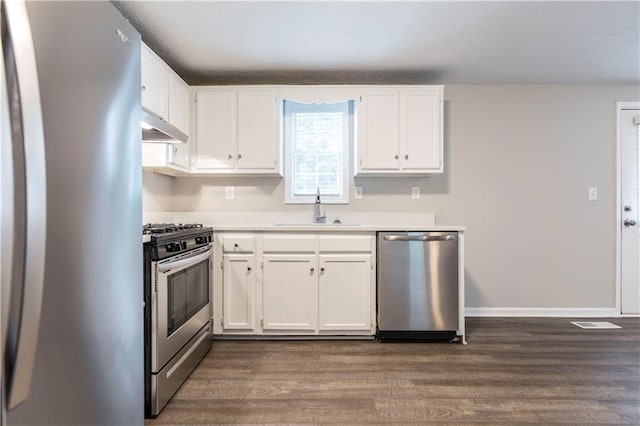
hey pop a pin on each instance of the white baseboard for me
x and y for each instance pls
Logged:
(542, 312)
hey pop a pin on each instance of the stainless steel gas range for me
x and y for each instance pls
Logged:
(177, 313)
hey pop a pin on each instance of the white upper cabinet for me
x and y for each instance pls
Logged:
(215, 130)
(421, 130)
(257, 130)
(237, 131)
(165, 94)
(155, 84)
(179, 103)
(378, 129)
(400, 131)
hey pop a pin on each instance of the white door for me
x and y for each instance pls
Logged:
(345, 292)
(378, 131)
(155, 84)
(179, 103)
(215, 130)
(239, 292)
(290, 292)
(629, 131)
(257, 130)
(420, 130)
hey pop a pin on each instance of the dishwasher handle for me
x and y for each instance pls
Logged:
(449, 237)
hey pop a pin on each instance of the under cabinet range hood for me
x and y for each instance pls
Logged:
(155, 129)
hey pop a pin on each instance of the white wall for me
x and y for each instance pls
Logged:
(157, 196)
(518, 161)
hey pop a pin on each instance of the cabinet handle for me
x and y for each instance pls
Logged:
(313, 269)
(235, 245)
(396, 156)
(406, 156)
(230, 156)
(144, 87)
(174, 149)
(239, 156)
(248, 268)
(321, 270)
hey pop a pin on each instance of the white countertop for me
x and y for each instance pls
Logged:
(301, 221)
(328, 227)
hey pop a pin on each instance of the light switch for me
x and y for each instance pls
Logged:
(593, 193)
(358, 193)
(415, 192)
(229, 192)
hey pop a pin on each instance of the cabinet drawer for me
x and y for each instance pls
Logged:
(344, 243)
(289, 243)
(238, 243)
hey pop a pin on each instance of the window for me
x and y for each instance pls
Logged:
(316, 140)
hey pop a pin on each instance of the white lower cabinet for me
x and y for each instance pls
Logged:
(290, 292)
(239, 292)
(305, 284)
(239, 283)
(345, 292)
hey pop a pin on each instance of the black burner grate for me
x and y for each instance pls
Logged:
(163, 228)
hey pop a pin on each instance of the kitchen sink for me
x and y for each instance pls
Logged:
(317, 224)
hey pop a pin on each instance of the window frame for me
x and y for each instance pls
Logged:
(290, 106)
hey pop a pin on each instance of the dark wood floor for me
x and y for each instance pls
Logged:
(534, 370)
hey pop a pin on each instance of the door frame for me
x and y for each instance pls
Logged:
(618, 249)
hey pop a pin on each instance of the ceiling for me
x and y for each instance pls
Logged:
(393, 42)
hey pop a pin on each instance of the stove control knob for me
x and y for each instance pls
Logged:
(200, 240)
(171, 247)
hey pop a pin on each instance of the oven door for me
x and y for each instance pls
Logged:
(180, 303)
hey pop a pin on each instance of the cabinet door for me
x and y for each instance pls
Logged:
(420, 130)
(155, 84)
(290, 292)
(345, 292)
(378, 131)
(179, 155)
(257, 130)
(239, 292)
(178, 103)
(215, 130)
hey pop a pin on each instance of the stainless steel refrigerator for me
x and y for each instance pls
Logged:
(72, 314)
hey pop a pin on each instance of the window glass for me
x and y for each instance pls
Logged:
(317, 139)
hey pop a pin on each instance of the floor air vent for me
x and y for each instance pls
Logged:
(594, 324)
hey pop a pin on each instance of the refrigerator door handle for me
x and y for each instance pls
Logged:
(26, 116)
(7, 213)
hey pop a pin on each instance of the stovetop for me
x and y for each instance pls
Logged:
(170, 239)
(164, 228)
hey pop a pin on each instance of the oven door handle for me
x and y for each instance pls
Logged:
(185, 261)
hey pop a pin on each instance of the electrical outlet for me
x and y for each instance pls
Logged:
(229, 192)
(415, 192)
(593, 193)
(358, 194)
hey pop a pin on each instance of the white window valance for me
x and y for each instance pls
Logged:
(319, 95)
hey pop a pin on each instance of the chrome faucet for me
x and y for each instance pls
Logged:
(318, 215)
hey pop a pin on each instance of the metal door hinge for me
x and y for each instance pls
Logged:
(195, 98)
(222, 322)
(221, 264)
(361, 161)
(261, 322)
(360, 98)
(262, 264)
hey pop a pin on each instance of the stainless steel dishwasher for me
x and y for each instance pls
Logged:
(417, 285)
